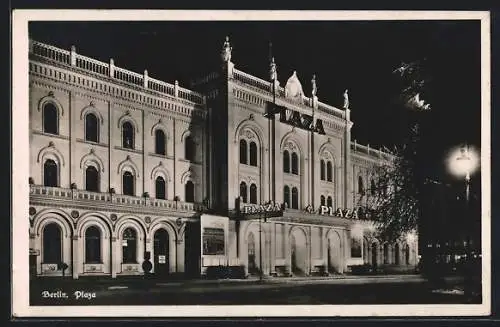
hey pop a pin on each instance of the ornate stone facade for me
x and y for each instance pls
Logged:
(126, 168)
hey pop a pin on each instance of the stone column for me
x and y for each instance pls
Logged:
(288, 257)
(324, 247)
(74, 170)
(180, 245)
(309, 243)
(148, 248)
(272, 250)
(76, 258)
(115, 262)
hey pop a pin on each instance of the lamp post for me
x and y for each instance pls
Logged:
(462, 163)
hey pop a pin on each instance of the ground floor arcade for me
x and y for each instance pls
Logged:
(79, 243)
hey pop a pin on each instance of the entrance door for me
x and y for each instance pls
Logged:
(252, 264)
(161, 264)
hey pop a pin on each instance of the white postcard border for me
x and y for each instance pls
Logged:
(20, 168)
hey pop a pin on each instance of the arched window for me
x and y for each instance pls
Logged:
(128, 183)
(373, 187)
(160, 188)
(189, 148)
(50, 119)
(253, 194)
(386, 253)
(127, 135)
(329, 172)
(159, 142)
(50, 173)
(286, 161)
(329, 201)
(361, 186)
(322, 199)
(129, 245)
(322, 170)
(243, 192)
(92, 179)
(295, 198)
(295, 163)
(253, 154)
(189, 189)
(286, 196)
(52, 247)
(91, 128)
(243, 152)
(92, 245)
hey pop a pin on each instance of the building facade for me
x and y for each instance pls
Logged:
(236, 171)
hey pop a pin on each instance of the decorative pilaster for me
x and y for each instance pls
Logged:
(348, 181)
(73, 169)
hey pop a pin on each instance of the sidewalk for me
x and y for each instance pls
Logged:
(139, 281)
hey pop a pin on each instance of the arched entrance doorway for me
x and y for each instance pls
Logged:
(161, 252)
(298, 252)
(252, 262)
(375, 254)
(334, 253)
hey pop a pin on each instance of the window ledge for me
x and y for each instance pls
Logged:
(128, 149)
(189, 161)
(92, 142)
(164, 156)
(62, 137)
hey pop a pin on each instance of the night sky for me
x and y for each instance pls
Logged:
(359, 56)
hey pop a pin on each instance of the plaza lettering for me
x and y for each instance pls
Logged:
(271, 207)
(295, 118)
(303, 121)
(343, 213)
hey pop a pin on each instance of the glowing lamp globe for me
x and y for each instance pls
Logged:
(463, 161)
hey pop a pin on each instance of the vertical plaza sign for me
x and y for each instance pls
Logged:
(295, 118)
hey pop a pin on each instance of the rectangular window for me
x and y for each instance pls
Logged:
(213, 241)
(355, 248)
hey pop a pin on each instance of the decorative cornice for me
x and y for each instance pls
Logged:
(110, 207)
(178, 105)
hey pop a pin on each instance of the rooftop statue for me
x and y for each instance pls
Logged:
(314, 87)
(346, 100)
(226, 50)
(273, 74)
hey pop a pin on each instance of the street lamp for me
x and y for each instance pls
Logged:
(463, 162)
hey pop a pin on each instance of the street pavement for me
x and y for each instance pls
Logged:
(392, 289)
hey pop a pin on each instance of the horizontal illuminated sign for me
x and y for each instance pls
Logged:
(356, 213)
